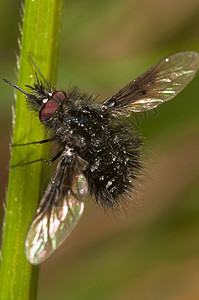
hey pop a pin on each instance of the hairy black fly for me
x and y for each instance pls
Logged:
(99, 153)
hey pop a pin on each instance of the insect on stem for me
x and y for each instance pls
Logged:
(100, 154)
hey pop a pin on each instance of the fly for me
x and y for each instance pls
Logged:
(99, 154)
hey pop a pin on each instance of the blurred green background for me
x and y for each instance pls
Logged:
(153, 253)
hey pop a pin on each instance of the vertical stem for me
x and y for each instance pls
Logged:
(40, 39)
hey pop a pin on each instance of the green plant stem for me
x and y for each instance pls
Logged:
(40, 39)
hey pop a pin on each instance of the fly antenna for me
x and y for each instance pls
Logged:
(17, 87)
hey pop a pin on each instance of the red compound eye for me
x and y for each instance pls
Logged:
(47, 110)
(59, 96)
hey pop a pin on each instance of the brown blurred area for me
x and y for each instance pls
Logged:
(153, 251)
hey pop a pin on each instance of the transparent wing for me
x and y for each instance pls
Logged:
(157, 85)
(59, 211)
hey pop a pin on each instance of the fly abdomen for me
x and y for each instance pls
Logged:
(112, 153)
(113, 158)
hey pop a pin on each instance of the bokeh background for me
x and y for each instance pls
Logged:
(152, 253)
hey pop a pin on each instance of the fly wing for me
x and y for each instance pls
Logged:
(60, 209)
(157, 85)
